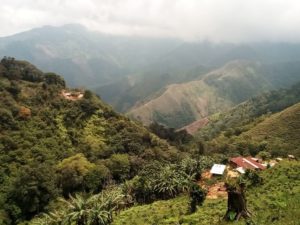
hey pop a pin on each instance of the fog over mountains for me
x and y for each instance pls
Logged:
(126, 112)
(130, 71)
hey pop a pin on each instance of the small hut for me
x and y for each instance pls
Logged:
(218, 169)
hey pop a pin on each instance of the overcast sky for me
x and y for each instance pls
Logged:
(214, 20)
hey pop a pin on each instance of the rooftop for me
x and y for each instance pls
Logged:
(247, 163)
(218, 169)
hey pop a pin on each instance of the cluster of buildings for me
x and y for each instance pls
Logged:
(239, 164)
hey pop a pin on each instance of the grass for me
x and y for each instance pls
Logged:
(280, 130)
(276, 201)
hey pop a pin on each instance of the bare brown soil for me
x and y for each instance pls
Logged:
(217, 190)
(72, 95)
(195, 126)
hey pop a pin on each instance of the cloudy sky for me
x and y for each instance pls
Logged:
(214, 20)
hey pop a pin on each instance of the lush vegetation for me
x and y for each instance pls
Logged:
(268, 122)
(77, 162)
(156, 181)
(177, 138)
(231, 122)
(275, 201)
(51, 146)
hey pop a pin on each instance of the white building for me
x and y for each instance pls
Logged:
(218, 169)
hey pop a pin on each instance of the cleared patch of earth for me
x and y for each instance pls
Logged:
(195, 126)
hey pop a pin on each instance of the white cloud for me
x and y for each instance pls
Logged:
(217, 20)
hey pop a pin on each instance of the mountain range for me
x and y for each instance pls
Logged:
(56, 142)
(162, 80)
(219, 90)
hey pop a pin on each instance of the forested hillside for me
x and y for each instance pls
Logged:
(56, 141)
(67, 157)
(278, 134)
(246, 112)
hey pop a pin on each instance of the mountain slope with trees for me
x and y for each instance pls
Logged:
(246, 112)
(268, 122)
(277, 134)
(126, 70)
(280, 132)
(217, 91)
(51, 146)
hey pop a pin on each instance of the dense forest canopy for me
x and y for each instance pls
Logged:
(52, 146)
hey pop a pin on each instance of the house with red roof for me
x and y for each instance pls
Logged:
(244, 163)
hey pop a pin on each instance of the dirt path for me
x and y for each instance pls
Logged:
(217, 190)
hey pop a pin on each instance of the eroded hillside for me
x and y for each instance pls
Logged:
(217, 91)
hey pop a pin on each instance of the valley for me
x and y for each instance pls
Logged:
(68, 154)
(217, 91)
(129, 132)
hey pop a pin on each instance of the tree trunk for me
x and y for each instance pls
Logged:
(236, 204)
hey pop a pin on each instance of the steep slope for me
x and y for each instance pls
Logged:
(279, 131)
(126, 92)
(188, 61)
(55, 140)
(276, 133)
(180, 104)
(245, 113)
(104, 62)
(237, 81)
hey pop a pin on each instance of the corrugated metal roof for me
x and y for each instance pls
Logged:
(218, 169)
(247, 163)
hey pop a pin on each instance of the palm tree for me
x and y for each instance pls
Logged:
(96, 210)
(99, 215)
(104, 205)
(77, 210)
(53, 218)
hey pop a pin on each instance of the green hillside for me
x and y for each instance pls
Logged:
(276, 201)
(217, 91)
(143, 85)
(280, 131)
(232, 121)
(56, 141)
(276, 133)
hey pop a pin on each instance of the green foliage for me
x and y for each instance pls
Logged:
(72, 172)
(164, 181)
(119, 166)
(16, 70)
(177, 138)
(96, 179)
(235, 120)
(82, 210)
(264, 155)
(63, 146)
(232, 215)
(52, 78)
(272, 134)
(31, 191)
(276, 201)
(252, 177)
